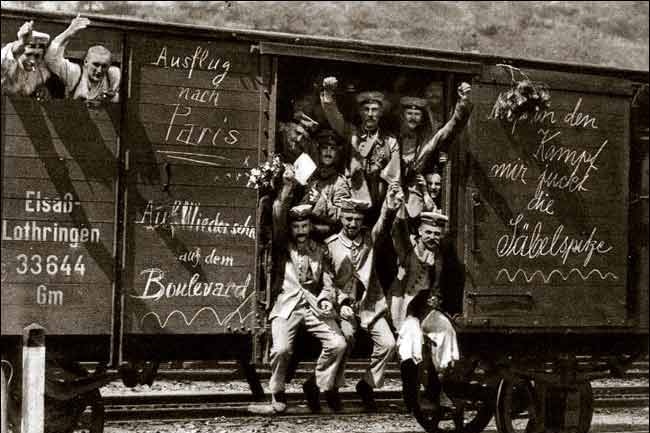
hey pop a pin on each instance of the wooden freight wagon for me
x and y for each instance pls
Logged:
(129, 232)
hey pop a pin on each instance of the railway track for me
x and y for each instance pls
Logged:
(205, 405)
(229, 370)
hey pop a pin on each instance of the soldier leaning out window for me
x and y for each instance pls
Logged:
(24, 72)
(97, 81)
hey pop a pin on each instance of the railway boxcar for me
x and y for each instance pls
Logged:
(129, 232)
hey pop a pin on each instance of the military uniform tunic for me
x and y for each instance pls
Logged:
(373, 156)
(332, 188)
(420, 273)
(301, 282)
(354, 276)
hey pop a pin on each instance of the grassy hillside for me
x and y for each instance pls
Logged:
(612, 33)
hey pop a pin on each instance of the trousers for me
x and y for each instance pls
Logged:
(383, 348)
(283, 332)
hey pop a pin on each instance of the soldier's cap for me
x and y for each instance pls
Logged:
(373, 96)
(305, 121)
(412, 102)
(38, 40)
(328, 136)
(433, 218)
(353, 205)
(300, 212)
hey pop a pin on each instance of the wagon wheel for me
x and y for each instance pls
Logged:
(579, 399)
(517, 409)
(473, 396)
(62, 416)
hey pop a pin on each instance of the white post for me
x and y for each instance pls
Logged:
(3, 398)
(33, 407)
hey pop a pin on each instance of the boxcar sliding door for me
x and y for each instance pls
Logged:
(546, 204)
(197, 113)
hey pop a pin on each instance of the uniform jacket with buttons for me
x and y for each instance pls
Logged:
(293, 284)
(332, 188)
(353, 271)
(437, 272)
(373, 157)
(419, 271)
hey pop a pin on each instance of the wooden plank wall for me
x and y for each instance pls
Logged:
(58, 215)
(562, 176)
(195, 110)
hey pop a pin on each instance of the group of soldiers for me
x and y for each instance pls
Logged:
(358, 246)
(35, 67)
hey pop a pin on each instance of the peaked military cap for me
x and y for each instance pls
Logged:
(300, 212)
(328, 136)
(433, 218)
(38, 40)
(373, 96)
(354, 205)
(412, 102)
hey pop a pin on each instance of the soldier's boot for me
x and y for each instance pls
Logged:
(410, 384)
(367, 396)
(333, 399)
(279, 402)
(312, 394)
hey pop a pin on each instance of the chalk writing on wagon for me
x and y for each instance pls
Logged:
(191, 252)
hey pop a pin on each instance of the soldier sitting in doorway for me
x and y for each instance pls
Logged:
(416, 300)
(97, 81)
(360, 296)
(306, 297)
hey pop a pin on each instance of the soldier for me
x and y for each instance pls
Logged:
(374, 155)
(24, 72)
(295, 137)
(431, 192)
(360, 296)
(327, 187)
(305, 296)
(412, 133)
(97, 81)
(429, 152)
(418, 290)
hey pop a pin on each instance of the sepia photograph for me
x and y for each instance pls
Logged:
(325, 217)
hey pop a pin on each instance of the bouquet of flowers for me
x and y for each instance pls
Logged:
(523, 99)
(264, 176)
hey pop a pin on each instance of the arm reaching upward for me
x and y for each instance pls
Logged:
(394, 199)
(450, 130)
(55, 55)
(281, 208)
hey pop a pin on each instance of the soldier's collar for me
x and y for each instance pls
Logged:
(348, 243)
(308, 247)
(367, 134)
(326, 172)
(424, 254)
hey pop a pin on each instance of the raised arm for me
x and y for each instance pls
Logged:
(331, 109)
(394, 199)
(12, 51)
(450, 130)
(281, 208)
(55, 55)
